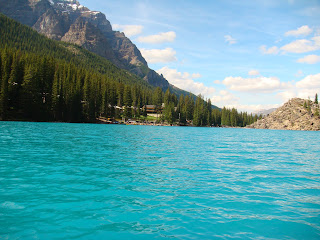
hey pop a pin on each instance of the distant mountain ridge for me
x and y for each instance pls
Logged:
(265, 112)
(296, 114)
(69, 21)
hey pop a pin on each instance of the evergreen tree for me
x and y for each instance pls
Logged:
(169, 113)
(4, 94)
(167, 97)
(309, 106)
(198, 112)
(127, 100)
(316, 99)
(181, 114)
(189, 107)
(157, 97)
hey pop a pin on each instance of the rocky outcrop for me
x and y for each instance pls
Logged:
(53, 24)
(154, 78)
(69, 21)
(296, 114)
(84, 34)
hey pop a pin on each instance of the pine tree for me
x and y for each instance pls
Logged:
(127, 100)
(4, 94)
(157, 97)
(180, 110)
(305, 104)
(189, 107)
(167, 97)
(169, 113)
(309, 106)
(198, 112)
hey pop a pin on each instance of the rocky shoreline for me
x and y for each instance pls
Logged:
(296, 114)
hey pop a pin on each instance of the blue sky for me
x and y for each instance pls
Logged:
(248, 54)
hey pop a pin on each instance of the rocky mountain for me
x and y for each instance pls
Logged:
(296, 114)
(69, 21)
(265, 112)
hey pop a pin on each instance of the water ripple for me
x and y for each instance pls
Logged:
(86, 181)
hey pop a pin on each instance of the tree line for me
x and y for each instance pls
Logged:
(46, 80)
(200, 112)
(41, 88)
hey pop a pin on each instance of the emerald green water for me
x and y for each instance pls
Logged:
(88, 181)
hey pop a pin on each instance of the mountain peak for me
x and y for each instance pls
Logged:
(69, 21)
(68, 5)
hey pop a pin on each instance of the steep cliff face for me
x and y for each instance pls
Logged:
(296, 114)
(69, 21)
(84, 34)
(53, 24)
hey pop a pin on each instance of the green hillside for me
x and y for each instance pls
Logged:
(47, 80)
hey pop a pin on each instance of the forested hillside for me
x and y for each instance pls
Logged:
(47, 80)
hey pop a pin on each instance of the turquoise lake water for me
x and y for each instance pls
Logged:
(89, 181)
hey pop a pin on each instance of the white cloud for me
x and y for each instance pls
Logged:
(159, 55)
(159, 38)
(307, 87)
(271, 50)
(309, 82)
(258, 84)
(304, 30)
(302, 45)
(224, 98)
(287, 95)
(253, 108)
(253, 72)
(186, 81)
(297, 46)
(196, 75)
(129, 30)
(310, 59)
(217, 82)
(230, 39)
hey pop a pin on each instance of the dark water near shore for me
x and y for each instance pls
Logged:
(89, 181)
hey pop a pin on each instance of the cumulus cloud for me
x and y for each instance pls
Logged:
(159, 55)
(252, 108)
(307, 87)
(302, 45)
(258, 84)
(287, 95)
(129, 30)
(304, 30)
(253, 73)
(159, 38)
(186, 81)
(310, 59)
(272, 50)
(309, 82)
(224, 98)
(230, 39)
